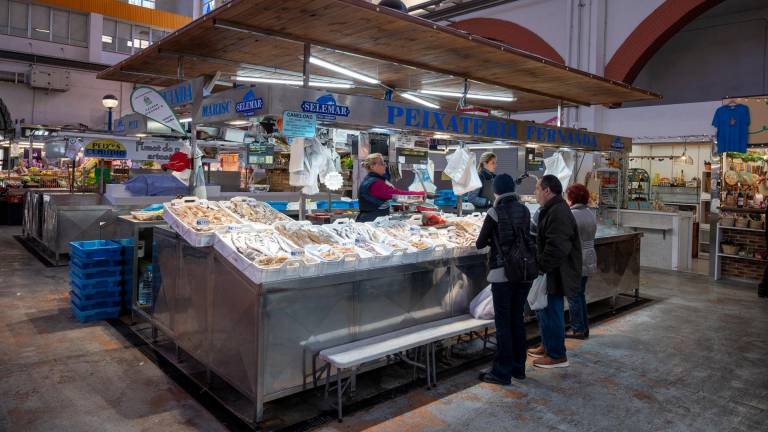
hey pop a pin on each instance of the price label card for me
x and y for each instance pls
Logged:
(202, 222)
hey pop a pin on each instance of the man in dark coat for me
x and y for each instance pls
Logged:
(762, 288)
(559, 257)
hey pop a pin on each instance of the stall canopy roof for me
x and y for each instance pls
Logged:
(266, 38)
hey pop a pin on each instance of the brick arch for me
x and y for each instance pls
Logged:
(652, 33)
(511, 34)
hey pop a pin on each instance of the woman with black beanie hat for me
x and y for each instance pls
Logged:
(504, 221)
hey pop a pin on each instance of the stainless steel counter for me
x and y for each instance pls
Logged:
(262, 338)
(55, 219)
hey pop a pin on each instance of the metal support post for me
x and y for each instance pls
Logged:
(559, 113)
(307, 55)
(193, 146)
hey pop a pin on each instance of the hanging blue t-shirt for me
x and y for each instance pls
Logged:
(732, 123)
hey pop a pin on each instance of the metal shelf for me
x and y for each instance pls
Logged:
(741, 257)
(741, 229)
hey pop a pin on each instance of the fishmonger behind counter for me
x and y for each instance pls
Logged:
(482, 198)
(375, 191)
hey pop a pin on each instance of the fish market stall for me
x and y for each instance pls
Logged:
(253, 297)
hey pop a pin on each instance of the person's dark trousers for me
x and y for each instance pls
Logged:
(552, 327)
(762, 288)
(508, 303)
(577, 307)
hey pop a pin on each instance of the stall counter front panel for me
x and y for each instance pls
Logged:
(263, 338)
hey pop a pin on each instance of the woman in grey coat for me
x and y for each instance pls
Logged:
(577, 196)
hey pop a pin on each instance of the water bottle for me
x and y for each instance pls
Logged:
(145, 287)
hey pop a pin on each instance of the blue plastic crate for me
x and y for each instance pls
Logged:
(335, 205)
(99, 303)
(95, 249)
(76, 272)
(96, 284)
(354, 204)
(95, 314)
(94, 263)
(278, 205)
(103, 290)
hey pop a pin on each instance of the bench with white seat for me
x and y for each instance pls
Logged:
(352, 355)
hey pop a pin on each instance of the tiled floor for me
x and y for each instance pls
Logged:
(696, 359)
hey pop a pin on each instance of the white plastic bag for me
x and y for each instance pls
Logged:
(470, 180)
(559, 167)
(537, 296)
(457, 163)
(481, 307)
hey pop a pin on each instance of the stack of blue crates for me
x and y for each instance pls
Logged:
(126, 272)
(94, 277)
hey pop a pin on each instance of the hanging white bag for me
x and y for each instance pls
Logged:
(557, 166)
(537, 296)
(457, 163)
(470, 180)
(481, 307)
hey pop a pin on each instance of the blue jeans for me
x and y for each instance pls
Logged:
(508, 302)
(552, 327)
(577, 305)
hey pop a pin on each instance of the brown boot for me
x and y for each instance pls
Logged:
(548, 362)
(537, 352)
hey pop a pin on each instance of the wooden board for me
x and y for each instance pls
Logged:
(402, 51)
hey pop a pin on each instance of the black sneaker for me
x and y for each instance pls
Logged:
(519, 376)
(490, 378)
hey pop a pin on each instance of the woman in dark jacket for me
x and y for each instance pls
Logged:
(506, 219)
(482, 198)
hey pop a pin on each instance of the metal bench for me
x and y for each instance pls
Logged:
(349, 357)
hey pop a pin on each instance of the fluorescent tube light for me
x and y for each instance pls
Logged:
(329, 85)
(343, 71)
(419, 100)
(292, 82)
(185, 120)
(469, 95)
(267, 80)
(238, 122)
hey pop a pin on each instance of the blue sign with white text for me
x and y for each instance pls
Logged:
(299, 124)
(325, 107)
(249, 104)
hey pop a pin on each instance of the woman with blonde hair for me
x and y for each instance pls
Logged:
(482, 198)
(375, 191)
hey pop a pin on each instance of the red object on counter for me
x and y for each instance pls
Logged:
(178, 162)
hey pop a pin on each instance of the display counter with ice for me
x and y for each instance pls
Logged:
(257, 306)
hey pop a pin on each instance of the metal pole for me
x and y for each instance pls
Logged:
(101, 176)
(559, 113)
(307, 55)
(193, 146)
(29, 156)
(109, 120)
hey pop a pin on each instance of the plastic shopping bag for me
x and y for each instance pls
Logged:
(470, 180)
(457, 163)
(558, 166)
(481, 307)
(537, 296)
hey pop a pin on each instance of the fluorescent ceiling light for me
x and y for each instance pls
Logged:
(106, 39)
(469, 95)
(419, 100)
(343, 71)
(238, 122)
(292, 82)
(329, 85)
(185, 120)
(267, 80)
(42, 30)
(140, 135)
